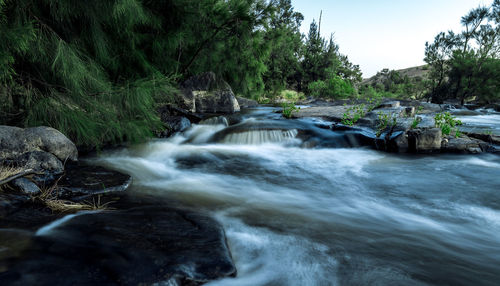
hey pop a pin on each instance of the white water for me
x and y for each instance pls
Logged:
(482, 123)
(298, 216)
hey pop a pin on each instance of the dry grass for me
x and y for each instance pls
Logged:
(66, 206)
(48, 196)
(9, 171)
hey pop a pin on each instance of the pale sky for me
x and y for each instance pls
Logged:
(378, 34)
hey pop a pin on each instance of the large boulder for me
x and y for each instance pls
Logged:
(205, 93)
(16, 141)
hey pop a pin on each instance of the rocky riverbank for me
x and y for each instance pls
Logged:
(63, 222)
(402, 126)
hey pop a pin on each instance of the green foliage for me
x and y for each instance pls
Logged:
(416, 121)
(447, 123)
(283, 63)
(97, 70)
(467, 65)
(390, 83)
(289, 109)
(325, 69)
(385, 121)
(353, 114)
(334, 87)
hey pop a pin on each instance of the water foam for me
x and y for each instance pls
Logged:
(256, 137)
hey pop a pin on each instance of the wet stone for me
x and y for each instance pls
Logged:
(26, 186)
(10, 203)
(137, 246)
(80, 182)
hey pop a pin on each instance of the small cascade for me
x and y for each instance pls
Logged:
(219, 120)
(256, 137)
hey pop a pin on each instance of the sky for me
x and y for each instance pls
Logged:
(378, 34)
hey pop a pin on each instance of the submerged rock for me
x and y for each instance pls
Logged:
(137, 246)
(10, 203)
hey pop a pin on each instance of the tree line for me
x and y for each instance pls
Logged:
(466, 65)
(97, 69)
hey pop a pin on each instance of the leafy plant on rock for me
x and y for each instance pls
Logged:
(289, 109)
(447, 123)
(353, 114)
(385, 120)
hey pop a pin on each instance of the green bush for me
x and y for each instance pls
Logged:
(334, 87)
(289, 109)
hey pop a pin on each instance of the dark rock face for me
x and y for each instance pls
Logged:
(80, 182)
(176, 124)
(11, 202)
(137, 246)
(424, 140)
(205, 93)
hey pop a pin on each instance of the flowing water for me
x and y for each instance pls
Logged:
(329, 215)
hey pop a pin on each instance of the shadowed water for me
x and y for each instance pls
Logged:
(330, 216)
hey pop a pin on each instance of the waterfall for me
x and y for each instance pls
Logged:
(256, 137)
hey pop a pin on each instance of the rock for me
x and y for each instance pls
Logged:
(12, 244)
(329, 113)
(137, 246)
(39, 161)
(16, 141)
(38, 148)
(168, 110)
(430, 107)
(464, 112)
(488, 138)
(176, 124)
(397, 142)
(494, 106)
(245, 102)
(26, 186)
(218, 120)
(80, 182)
(10, 203)
(50, 140)
(464, 145)
(389, 104)
(424, 140)
(206, 93)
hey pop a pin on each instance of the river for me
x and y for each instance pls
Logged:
(329, 216)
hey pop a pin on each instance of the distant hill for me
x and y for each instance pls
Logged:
(411, 73)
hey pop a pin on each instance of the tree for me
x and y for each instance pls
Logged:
(283, 33)
(463, 65)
